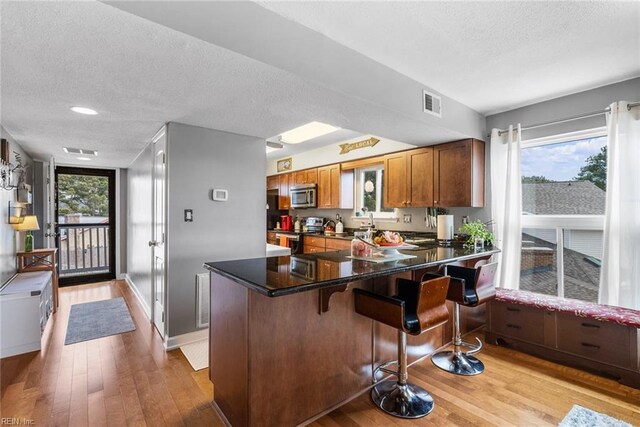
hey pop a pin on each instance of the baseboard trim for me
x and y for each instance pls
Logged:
(136, 292)
(172, 343)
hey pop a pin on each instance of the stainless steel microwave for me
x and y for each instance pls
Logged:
(304, 196)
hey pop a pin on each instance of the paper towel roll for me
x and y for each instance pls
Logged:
(445, 227)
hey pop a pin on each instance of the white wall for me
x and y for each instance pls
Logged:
(138, 225)
(10, 240)
(199, 160)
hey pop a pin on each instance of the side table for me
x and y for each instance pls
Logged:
(41, 260)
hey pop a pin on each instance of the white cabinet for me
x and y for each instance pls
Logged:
(25, 306)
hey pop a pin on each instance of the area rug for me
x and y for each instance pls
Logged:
(98, 319)
(583, 417)
(197, 354)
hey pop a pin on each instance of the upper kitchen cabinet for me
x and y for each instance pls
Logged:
(284, 199)
(395, 180)
(308, 176)
(273, 182)
(458, 174)
(420, 177)
(408, 178)
(335, 188)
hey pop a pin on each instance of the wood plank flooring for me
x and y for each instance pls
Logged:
(125, 379)
(129, 379)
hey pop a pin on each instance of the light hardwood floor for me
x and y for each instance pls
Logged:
(129, 379)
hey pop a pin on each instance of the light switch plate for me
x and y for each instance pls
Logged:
(407, 218)
(219, 195)
(188, 215)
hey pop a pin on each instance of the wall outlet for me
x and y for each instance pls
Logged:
(407, 218)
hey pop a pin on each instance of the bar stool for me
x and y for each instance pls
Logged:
(469, 287)
(418, 307)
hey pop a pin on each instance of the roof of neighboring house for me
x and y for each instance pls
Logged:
(562, 198)
(581, 277)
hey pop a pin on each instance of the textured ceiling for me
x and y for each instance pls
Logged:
(139, 75)
(491, 56)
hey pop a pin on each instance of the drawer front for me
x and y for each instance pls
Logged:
(518, 321)
(601, 341)
(318, 242)
(338, 244)
(312, 249)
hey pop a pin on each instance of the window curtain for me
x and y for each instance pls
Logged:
(620, 273)
(506, 203)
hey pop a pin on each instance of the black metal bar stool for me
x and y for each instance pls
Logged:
(418, 307)
(469, 287)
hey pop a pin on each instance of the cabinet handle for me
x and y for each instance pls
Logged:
(509, 325)
(517, 310)
(586, 344)
(589, 325)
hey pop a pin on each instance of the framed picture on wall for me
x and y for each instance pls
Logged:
(285, 164)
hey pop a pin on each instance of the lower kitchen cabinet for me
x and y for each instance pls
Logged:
(602, 347)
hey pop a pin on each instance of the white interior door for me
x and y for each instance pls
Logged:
(50, 208)
(158, 232)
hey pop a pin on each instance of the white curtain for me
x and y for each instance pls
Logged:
(506, 203)
(620, 273)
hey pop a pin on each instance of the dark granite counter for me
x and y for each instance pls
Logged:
(278, 276)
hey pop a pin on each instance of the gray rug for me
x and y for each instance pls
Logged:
(583, 417)
(98, 319)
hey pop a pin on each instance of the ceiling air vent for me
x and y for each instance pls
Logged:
(80, 151)
(431, 103)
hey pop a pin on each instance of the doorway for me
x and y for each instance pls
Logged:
(85, 229)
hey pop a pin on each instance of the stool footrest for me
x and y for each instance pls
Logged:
(383, 368)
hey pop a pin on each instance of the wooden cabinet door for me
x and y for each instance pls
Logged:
(273, 182)
(300, 177)
(395, 180)
(329, 187)
(458, 174)
(284, 198)
(312, 176)
(420, 177)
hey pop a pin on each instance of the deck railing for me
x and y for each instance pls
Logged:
(83, 249)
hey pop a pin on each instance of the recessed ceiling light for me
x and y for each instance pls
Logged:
(84, 110)
(83, 158)
(82, 151)
(306, 132)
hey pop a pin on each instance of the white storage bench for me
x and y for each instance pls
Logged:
(26, 302)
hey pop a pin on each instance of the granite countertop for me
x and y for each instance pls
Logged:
(284, 275)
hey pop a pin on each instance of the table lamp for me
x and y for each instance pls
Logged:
(29, 224)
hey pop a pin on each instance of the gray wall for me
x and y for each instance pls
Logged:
(10, 240)
(199, 160)
(567, 106)
(138, 224)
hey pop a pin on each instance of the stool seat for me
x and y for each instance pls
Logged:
(417, 307)
(469, 287)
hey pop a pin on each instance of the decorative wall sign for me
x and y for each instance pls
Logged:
(360, 144)
(285, 164)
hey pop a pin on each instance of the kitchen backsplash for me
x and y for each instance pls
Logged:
(417, 217)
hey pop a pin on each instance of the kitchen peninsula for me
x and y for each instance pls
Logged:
(286, 345)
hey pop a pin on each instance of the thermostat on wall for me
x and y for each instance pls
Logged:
(219, 195)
